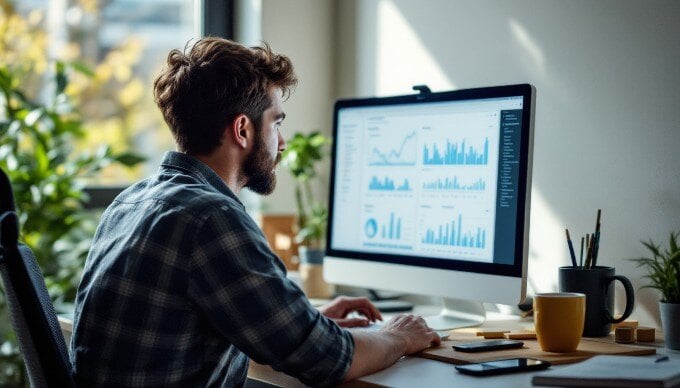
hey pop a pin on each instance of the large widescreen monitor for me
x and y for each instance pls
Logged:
(430, 195)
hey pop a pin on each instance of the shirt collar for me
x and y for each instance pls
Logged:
(199, 170)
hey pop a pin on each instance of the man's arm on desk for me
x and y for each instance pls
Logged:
(374, 351)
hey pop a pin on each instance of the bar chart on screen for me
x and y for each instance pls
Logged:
(453, 234)
(388, 184)
(456, 153)
(447, 184)
(388, 228)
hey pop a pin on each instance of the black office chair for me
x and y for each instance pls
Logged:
(33, 317)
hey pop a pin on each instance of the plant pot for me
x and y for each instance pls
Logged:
(311, 255)
(670, 323)
(311, 273)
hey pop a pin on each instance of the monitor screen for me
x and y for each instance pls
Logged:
(437, 180)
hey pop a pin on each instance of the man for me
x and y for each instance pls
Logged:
(180, 286)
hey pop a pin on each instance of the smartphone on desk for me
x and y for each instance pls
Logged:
(511, 365)
(485, 346)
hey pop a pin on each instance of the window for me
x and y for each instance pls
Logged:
(124, 44)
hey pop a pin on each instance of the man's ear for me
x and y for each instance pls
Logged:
(241, 130)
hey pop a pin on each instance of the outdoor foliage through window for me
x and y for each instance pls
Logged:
(76, 109)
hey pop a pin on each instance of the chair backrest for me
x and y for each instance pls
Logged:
(33, 316)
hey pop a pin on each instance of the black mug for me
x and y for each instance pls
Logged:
(598, 285)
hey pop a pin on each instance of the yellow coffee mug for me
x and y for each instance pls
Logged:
(559, 319)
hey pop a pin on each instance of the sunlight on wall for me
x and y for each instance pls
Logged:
(546, 237)
(402, 58)
(522, 36)
(403, 61)
(547, 246)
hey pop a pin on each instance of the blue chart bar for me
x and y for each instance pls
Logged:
(404, 186)
(454, 184)
(392, 230)
(404, 156)
(456, 155)
(451, 235)
(387, 184)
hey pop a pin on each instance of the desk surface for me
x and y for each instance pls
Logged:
(416, 371)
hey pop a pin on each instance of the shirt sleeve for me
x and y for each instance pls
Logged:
(240, 285)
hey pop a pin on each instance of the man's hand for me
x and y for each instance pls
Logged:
(414, 331)
(376, 350)
(340, 307)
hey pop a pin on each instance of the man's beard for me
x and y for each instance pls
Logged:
(258, 169)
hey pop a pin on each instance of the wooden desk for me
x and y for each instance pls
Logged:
(421, 372)
(412, 371)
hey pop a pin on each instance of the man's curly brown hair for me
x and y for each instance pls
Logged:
(201, 91)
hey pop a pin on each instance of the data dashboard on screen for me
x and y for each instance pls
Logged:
(433, 183)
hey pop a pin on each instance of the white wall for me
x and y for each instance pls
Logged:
(608, 82)
(304, 31)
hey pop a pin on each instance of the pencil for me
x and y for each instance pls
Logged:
(589, 254)
(572, 255)
(596, 245)
(581, 257)
(585, 260)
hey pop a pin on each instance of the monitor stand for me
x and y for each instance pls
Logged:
(457, 313)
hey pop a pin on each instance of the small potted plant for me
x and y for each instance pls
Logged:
(304, 152)
(663, 272)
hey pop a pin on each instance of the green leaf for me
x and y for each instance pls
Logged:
(673, 243)
(663, 268)
(60, 77)
(41, 158)
(5, 78)
(129, 159)
(82, 68)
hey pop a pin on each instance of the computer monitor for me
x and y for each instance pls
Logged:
(430, 195)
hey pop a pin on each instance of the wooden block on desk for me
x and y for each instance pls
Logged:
(627, 323)
(492, 334)
(624, 335)
(520, 335)
(645, 334)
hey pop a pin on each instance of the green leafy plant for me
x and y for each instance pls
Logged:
(304, 152)
(663, 268)
(37, 151)
(51, 126)
(48, 177)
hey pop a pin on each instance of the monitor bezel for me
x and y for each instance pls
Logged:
(518, 268)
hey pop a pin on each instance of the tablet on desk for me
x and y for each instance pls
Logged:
(485, 346)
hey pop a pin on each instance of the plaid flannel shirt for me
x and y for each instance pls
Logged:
(180, 288)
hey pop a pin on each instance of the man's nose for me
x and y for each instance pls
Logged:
(282, 142)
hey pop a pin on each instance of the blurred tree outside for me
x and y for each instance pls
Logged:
(116, 103)
(68, 117)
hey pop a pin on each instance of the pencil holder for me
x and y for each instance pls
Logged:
(597, 283)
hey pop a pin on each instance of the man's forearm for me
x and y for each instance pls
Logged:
(374, 351)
